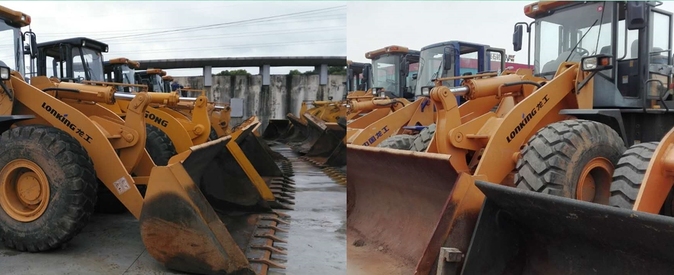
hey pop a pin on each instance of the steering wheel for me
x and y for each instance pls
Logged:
(582, 51)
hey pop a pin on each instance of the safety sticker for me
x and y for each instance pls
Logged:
(122, 185)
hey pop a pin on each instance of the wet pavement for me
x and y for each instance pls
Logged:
(111, 244)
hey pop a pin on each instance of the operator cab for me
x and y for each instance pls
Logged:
(121, 70)
(12, 53)
(455, 58)
(393, 70)
(153, 79)
(73, 59)
(166, 80)
(357, 79)
(567, 31)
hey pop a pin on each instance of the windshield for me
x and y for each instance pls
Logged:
(157, 83)
(430, 67)
(11, 47)
(128, 74)
(558, 34)
(385, 73)
(93, 64)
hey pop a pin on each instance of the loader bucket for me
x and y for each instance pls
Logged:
(321, 139)
(394, 205)
(300, 133)
(330, 146)
(256, 152)
(180, 229)
(275, 129)
(524, 232)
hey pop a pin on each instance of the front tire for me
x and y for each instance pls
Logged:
(47, 188)
(571, 158)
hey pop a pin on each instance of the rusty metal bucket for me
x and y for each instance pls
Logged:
(319, 138)
(186, 231)
(326, 145)
(275, 129)
(300, 132)
(524, 232)
(256, 152)
(396, 204)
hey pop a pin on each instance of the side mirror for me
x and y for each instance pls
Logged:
(636, 15)
(4, 73)
(517, 37)
(426, 90)
(32, 43)
(414, 76)
(448, 58)
(597, 63)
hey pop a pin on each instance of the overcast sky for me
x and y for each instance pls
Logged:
(150, 30)
(373, 25)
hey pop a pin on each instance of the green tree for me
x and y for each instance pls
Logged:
(332, 70)
(294, 72)
(234, 72)
(335, 70)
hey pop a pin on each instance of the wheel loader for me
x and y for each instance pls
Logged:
(405, 124)
(59, 153)
(639, 186)
(170, 131)
(122, 70)
(389, 75)
(560, 131)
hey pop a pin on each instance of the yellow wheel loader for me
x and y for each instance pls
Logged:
(58, 151)
(122, 70)
(391, 77)
(409, 125)
(170, 131)
(476, 189)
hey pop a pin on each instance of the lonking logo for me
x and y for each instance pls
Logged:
(526, 118)
(63, 118)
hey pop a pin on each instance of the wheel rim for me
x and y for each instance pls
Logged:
(25, 190)
(595, 180)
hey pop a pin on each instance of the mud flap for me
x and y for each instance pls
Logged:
(524, 232)
(275, 129)
(282, 186)
(395, 201)
(182, 231)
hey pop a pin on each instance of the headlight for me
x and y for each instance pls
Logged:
(425, 90)
(597, 63)
(4, 73)
(589, 64)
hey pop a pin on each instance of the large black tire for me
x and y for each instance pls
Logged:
(72, 187)
(629, 174)
(423, 139)
(400, 142)
(553, 160)
(212, 135)
(160, 148)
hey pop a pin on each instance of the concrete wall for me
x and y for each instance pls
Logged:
(284, 95)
